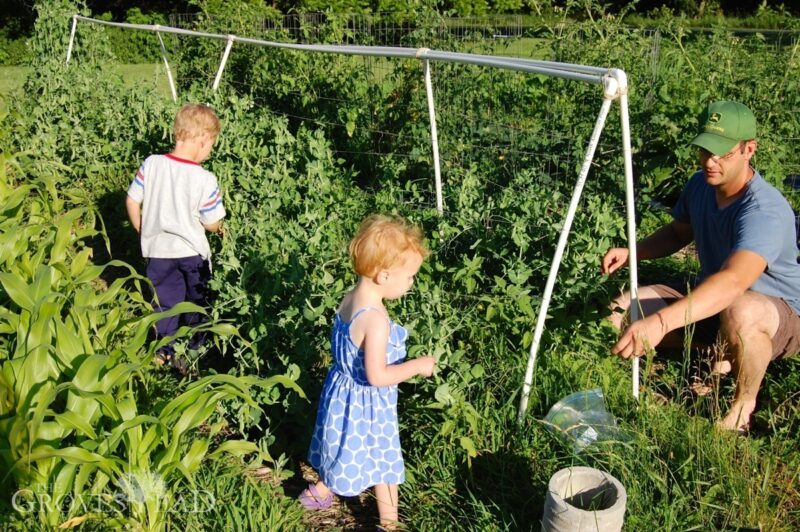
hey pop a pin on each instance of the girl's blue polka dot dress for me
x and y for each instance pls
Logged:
(356, 442)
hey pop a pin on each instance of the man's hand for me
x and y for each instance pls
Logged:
(640, 336)
(613, 260)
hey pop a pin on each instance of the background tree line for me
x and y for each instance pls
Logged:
(18, 16)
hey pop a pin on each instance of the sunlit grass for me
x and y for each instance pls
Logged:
(12, 78)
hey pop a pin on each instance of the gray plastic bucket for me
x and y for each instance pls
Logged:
(584, 499)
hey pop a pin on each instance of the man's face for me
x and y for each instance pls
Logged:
(722, 169)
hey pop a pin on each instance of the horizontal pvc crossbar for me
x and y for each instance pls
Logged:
(583, 73)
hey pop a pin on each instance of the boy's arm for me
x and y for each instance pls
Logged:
(134, 213)
(211, 210)
(215, 227)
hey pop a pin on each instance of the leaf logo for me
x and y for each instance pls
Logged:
(142, 487)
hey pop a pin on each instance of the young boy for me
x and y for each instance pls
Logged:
(180, 202)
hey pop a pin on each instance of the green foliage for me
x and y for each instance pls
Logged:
(73, 351)
(310, 144)
(242, 500)
(466, 8)
(135, 46)
(240, 18)
(50, 38)
(765, 17)
(335, 6)
(13, 51)
(689, 71)
(77, 423)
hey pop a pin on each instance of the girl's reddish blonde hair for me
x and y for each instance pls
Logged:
(380, 243)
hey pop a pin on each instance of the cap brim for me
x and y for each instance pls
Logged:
(714, 143)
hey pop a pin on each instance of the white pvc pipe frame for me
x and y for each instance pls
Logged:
(615, 86)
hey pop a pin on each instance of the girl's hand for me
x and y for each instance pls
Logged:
(426, 366)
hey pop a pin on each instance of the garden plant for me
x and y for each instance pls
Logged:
(94, 435)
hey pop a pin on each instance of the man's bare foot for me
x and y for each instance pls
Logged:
(704, 386)
(721, 367)
(738, 419)
(700, 388)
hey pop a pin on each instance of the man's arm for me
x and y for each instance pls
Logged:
(664, 242)
(134, 213)
(713, 295)
(717, 291)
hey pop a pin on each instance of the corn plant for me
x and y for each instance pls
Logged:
(72, 349)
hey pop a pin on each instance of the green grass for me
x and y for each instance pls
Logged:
(12, 79)
(226, 496)
(525, 47)
(679, 472)
(150, 74)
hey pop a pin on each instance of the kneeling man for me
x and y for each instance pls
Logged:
(749, 284)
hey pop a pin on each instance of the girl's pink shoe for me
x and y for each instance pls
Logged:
(311, 500)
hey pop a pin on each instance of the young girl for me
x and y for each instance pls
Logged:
(356, 442)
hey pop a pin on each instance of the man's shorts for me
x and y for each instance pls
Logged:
(785, 343)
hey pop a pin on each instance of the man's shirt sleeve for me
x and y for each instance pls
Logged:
(759, 231)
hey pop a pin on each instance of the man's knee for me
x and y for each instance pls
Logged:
(750, 313)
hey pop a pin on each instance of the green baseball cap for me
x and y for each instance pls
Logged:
(723, 124)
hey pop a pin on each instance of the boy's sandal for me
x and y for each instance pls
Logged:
(180, 365)
(311, 499)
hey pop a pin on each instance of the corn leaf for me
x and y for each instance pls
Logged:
(17, 290)
(72, 421)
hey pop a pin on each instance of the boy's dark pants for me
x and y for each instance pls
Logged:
(177, 280)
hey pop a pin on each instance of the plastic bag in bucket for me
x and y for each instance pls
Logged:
(582, 419)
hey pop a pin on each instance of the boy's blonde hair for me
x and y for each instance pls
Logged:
(195, 120)
(381, 241)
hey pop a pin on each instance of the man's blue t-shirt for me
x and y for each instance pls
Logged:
(761, 221)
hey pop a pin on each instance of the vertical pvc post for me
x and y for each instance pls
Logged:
(225, 55)
(166, 66)
(71, 37)
(562, 244)
(437, 171)
(631, 212)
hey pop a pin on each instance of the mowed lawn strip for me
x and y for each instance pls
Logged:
(147, 75)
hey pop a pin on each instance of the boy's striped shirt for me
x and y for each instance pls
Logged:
(178, 197)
